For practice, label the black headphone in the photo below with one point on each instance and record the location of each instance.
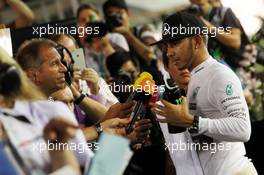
(10, 81)
(69, 74)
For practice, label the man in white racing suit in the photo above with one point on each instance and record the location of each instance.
(215, 111)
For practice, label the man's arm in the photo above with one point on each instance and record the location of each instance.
(231, 38)
(233, 122)
(95, 110)
(61, 130)
(24, 15)
(141, 48)
(114, 126)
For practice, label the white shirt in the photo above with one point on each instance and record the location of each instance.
(104, 96)
(27, 138)
(185, 161)
(216, 96)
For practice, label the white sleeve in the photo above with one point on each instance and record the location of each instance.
(83, 152)
(233, 122)
(78, 144)
(104, 96)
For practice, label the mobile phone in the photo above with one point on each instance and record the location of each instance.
(5, 41)
(78, 57)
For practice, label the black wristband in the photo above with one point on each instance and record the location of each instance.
(79, 99)
(99, 129)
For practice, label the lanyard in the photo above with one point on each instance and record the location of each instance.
(18, 117)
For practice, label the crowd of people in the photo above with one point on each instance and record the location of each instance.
(61, 89)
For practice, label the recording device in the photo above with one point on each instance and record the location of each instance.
(78, 57)
(124, 81)
(113, 20)
(173, 95)
(69, 73)
(100, 29)
(143, 91)
(10, 81)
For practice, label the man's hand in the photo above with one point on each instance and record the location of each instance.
(92, 79)
(77, 74)
(59, 130)
(141, 131)
(116, 131)
(115, 123)
(115, 126)
(75, 90)
(177, 115)
(24, 15)
(119, 110)
(122, 30)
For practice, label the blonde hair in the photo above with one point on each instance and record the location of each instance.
(28, 90)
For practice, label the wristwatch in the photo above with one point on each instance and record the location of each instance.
(79, 99)
(195, 126)
(98, 128)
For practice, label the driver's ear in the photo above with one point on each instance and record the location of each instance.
(33, 75)
(198, 41)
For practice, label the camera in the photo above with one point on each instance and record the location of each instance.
(113, 20)
(123, 81)
(195, 10)
(100, 29)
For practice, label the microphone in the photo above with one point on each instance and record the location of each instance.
(173, 95)
(144, 88)
(146, 92)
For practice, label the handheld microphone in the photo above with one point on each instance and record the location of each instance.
(173, 95)
(144, 88)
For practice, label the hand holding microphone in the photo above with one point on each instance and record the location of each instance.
(144, 88)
